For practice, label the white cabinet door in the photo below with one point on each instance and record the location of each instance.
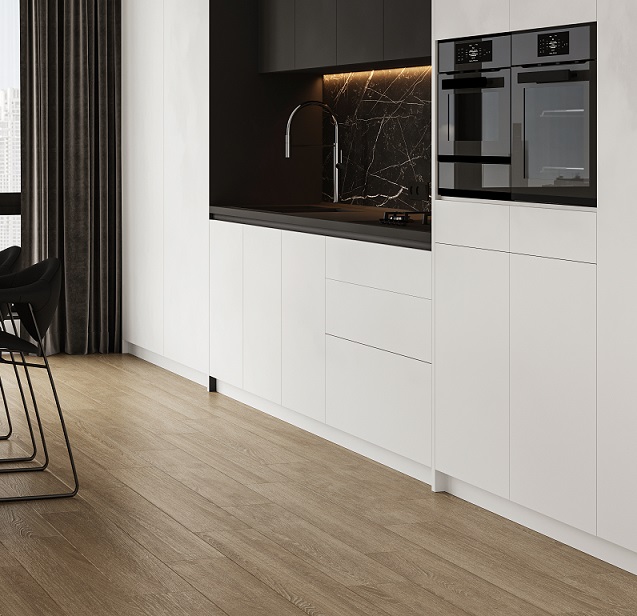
(143, 167)
(303, 342)
(262, 312)
(471, 356)
(380, 397)
(391, 268)
(617, 291)
(186, 180)
(226, 302)
(373, 317)
(457, 18)
(553, 388)
(526, 15)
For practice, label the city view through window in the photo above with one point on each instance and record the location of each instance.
(10, 169)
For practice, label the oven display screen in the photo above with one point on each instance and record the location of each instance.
(469, 53)
(554, 44)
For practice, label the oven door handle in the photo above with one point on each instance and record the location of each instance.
(472, 83)
(557, 76)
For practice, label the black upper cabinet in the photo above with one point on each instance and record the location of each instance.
(407, 29)
(276, 27)
(315, 33)
(359, 32)
(325, 35)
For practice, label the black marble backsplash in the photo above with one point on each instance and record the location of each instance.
(385, 134)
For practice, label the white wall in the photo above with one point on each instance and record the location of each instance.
(165, 126)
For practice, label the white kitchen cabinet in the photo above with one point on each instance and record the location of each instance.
(548, 13)
(303, 323)
(382, 319)
(380, 397)
(458, 18)
(617, 291)
(262, 312)
(553, 388)
(471, 336)
(226, 302)
(186, 168)
(471, 223)
(143, 169)
(552, 232)
(391, 268)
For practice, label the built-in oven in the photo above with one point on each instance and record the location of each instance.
(553, 137)
(474, 117)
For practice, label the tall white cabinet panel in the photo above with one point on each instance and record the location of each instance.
(549, 13)
(364, 400)
(617, 291)
(303, 306)
(553, 388)
(186, 180)
(262, 312)
(471, 346)
(142, 170)
(226, 302)
(457, 18)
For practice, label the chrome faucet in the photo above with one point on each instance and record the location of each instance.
(337, 153)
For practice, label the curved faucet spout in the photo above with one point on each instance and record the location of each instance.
(336, 149)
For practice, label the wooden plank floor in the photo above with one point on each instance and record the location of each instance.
(193, 504)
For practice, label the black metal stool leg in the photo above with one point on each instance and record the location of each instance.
(4, 437)
(73, 491)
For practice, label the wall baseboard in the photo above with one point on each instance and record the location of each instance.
(573, 537)
(201, 378)
(353, 443)
(577, 539)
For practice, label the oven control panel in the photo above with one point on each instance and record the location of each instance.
(553, 44)
(477, 51)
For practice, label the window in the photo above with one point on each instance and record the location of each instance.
(10, 164)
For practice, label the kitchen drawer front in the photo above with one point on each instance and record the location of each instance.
(383, 319)
(380, 397)
(391, 268)
(561, 234)
(472, 224)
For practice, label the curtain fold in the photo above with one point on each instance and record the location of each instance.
(71, 163)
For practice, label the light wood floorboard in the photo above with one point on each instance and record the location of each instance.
(194, 504)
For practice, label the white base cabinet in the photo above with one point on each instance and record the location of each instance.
(553, 391)
(226, 302)
(303, 324)
(270, 334)
(471, 299)
(262, 312)
(380, 397)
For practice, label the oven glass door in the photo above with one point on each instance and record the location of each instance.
(474, 114)
(553, 151)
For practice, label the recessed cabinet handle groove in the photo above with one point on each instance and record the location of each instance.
(553, 76)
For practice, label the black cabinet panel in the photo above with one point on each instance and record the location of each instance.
(276, 35)
(407, 29)
(359, 31)
(315, 33)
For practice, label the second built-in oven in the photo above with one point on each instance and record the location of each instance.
(474, 117)
(553, 111)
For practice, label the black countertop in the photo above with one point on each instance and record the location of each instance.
(333, 219)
